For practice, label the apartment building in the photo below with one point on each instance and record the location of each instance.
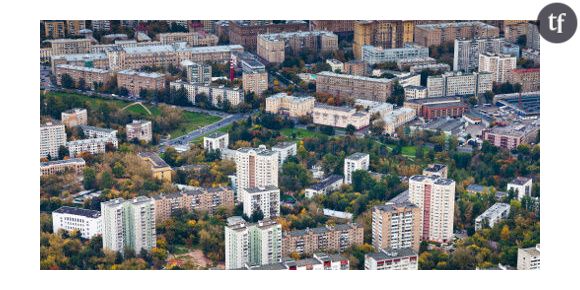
(441, 33)
(499, 65)
(381, 33)
(292, 106)
(356, 68)
(390, 259)
(415, 92)
(396, 226)
(128, 224)
(319, 261)
(273, 47)
(466, 51)
(335, 65)
(87, 222)
(354, 162)
(216, 140)
(435, 197)
(339, 117)
(255, 81)
(54, 29)
(491, 216)
(436, 170)
(373, 54)
(192, 199)
(256, 167)
(529, 258)
(94, 145)
(327, 238)
(141, 130)
(98, 132)
(511, 136)
(52, 136)
(436, 67)
(216, 94)
(135, 81)
(373, 89)
(265, 199)
(91, 76)
(398, 118)
(252, 244)
(70, 46)
(74, 27)
(58, 166)
(372, 107)
(197, 73)
(74, 117)
(529, 79)
(522, 186)
(285, 150)
(533, 36)
(245, 32)
(194, 38)
(513, 29)
(161, 170)
(327, 185)
(339, 27)
(101, 25)
(459, 84)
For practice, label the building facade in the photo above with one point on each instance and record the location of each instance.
(354, 162)
(492, 215)
(160, 169)
(529, 79)
(255, 81)
(466, 52)
(192, 199)
(252, 244)
(396, 226)
(285, 150)
(328, 238)
(53, 167)
(191, 38)
(135, 81)
(216, 141)
(499, 65)
(74, 117)
(529, 258)
(459, 84)
(292, 106)
(141, 130)
(265, 199)
(52, 136)
(216, 94)
(91, 145)
(256, 167)
(245, 32)
(197, 73)
(273, 47)
(87, 222)
(339, 117)
(390, 259)
(440, 33)
(351, 86)
(373, 55)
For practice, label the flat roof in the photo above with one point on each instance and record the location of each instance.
(357, 156)
(354, 77)
(141, 74)
(386, 254)
(78, 211)
(67, 161)
(326, 182)
(156, 161)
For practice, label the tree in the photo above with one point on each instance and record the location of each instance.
(257, 215)
(62, 152)
(106, 180)
(123, 91)
(89, 178)
(350, 129)
(488, 96)
(118, 170)
(66, 81)
(398, 95)
(294, 176)
(82, 84)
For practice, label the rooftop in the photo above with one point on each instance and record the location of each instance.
(286, 35)
(326, 182)
(357, 156)
(261, 189)
(216, 134)
(494, 210)
(353, 77)
(82, 68)
(67, 161)
(520, 180)
(141, 74)
(155, 160)
(392, 206)
(284, 145)
(385, 254)
(78, 211)
(455, 24)
(98, 129)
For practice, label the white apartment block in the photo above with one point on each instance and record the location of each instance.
(91, 145)
(335, 65)
(51, 138)
(292, 106)
(529, 258)
(97, 132)
(285, 150)
(216, 140)
(266, 199)
(256, 167)
(374, 54)
(129, 224)
(398, 118)
(140, 129)
(74, 117)
(389, 259)
(466, 51)
(87, 222)
(354, 162)
(249, 244)
(415, 92)
(492, 215)
(436, 198)
(459, 84)
(499, 65)
(339, 117)
(522, 186)
(216, 94)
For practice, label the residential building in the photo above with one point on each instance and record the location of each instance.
(136, 82)
(522, 186)
(372, 107)
(396, 226)
(54, 29)
(129, 224)
(436, 67)
(440, 33)
(292, 106)
(319, 261)
(94, 145)
(390, 259)
(52, 136)
(255, 81)
(436, 170)
(285, 150)
(87, 222)
(499, 65)
(161, 170)
(398, 118)
(459, 84)
(339, 117)
(90, 76)
(491, 216)
(373, 54)
(252, 244)
(435, 197)
(274, 46)
(511, 136)
(373, 89)
(335, 65)
(381, 33)
(73, 27)
(354, 162)
(265, 199)
(197, 73)
(191, 38)
(415, 92)
(356, 68)
(245, 32)
(466, 51)
(141, 130)
(98, 132)
(74, 117)
(216, 141)
(216, 94)
(192, 199)
(326, 186)
(531, 54)
(340, 27)
(529, 258)
(529, 79)
(327, 238)
(70, 46)
(405, 63)
(101, 25)
(256, 167)
(513, 29)
(58, 166)
(533, 36)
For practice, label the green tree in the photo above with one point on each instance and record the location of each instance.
(350, 129)
(89, 178)
(62, 152)
(66, 81)
(118, 170)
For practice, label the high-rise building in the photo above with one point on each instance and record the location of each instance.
(396, 226)
(435, 197)
(141, 130)
(252, 244)
(441, 33)
(265, 199)
(74, 117)
(101, 25)
(499, 65)
(351, 86)
(256, 167)
(255, 81)
(529, 258)
(197, 73)
(129, 224)
(87, 222)
(245, 32)
(73, 27)
(52, 136)
(354, 162)
(381, 33)
(54, 29)
(528, 78)
(339, 27)
(466, 52)
(273, 47)
(513, 29)
(533, 36)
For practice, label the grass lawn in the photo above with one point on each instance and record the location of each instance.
(409, 151)
(194, 121)
(300, 133)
